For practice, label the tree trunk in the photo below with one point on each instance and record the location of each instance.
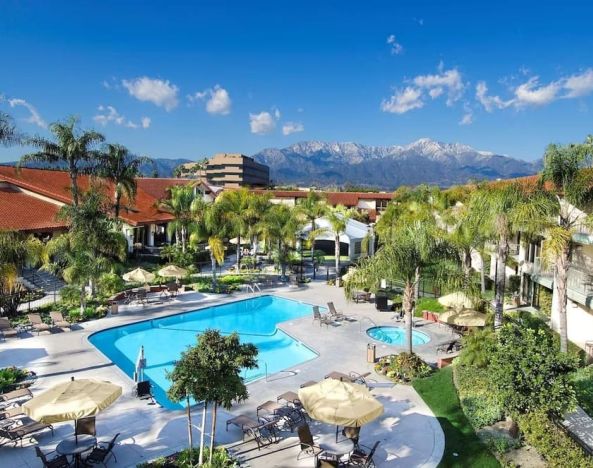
(183, 238)
(213, 263)
(416, 290)
(467, 268)
(189, 432)
(74, 185)
(408, 304)
(501, 262)
(560, 283)
(482, 275)
(202, 430)
(337, 254)
(238, 253)
(213, 430)
(254, 245)
(117, 203)
(313, 228)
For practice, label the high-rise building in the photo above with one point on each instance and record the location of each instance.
(232, 170)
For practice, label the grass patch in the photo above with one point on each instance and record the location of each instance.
(428, 303)
(583, 385)
(438, 391)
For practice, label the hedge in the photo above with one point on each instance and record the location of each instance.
(477, 397)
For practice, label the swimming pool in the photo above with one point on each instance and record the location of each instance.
(164, 339)
(396, 336)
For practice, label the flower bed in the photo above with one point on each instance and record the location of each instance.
(403, 367)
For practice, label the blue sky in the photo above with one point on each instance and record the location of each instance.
(188, 79)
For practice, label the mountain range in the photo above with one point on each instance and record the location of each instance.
(387, 167)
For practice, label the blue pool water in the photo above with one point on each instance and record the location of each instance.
(165, 338)
(396, 336)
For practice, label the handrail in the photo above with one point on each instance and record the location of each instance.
(368, 319)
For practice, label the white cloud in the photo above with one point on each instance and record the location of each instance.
(109, 114)
(580, 84)
(218, 100)
(490, 102)
(35, 118)
(276, 113)
(468, 115)
(262, 123)
(160, 92)
(395, 47)
(531, 93)
(449, 80)
(403, 101)
(292, 127)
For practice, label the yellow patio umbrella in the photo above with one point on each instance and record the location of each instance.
(172, 270)
(341, 403)
(72, 400)
(235, 241)
(464, 318)
(139, 275)
(457, 300)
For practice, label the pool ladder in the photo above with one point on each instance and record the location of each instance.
(253, 287)
(365, 319)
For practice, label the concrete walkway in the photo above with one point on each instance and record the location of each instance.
(410, 435)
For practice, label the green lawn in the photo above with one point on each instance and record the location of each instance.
(438, 391)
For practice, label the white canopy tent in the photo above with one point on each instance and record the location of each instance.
(353, 236)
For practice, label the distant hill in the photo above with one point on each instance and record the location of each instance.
(164, 166)
(423, 161)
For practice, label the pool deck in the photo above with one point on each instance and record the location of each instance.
(410, 435)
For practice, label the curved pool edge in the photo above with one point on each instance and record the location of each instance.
(422, 335)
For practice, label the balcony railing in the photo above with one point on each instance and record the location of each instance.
(579, 282)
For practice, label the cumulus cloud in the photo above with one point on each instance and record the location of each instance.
(292, 127)
(262, 123)
(109, 114)
(468, 116)
(34, 117)
(395, 47)
(533, 93)
(160, 92)
(218, 100)
(403, 101)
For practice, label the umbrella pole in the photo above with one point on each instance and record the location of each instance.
(337, 428)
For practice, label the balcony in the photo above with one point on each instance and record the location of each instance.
(580, 282)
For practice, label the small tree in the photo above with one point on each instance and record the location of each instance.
(338, 218)
(529, 373)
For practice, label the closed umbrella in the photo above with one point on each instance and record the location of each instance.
(172, 271)
(341, 403)
(457, 300)
(139, 275)
(464, 318)
(72, 400)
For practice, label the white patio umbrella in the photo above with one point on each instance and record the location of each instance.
(457, 300)
(244, 241)
(139, 275)
(172, 271)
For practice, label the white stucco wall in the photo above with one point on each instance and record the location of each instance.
(580, 321)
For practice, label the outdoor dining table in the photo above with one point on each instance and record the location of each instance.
(76, 446)
(333, 448)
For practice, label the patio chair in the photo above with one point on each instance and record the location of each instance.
(323, 319)
(365, 460)
(60, 461)
(269, 407)
(20, 394)
(26, 430)
(264, 434)
(289, 417)
(308, 446)
(102, 452)
(173, 289)
(334, 314)
(85, 426)
(6, 329)
(58, 320)
(141, 296)
(358, 378)
(38, 324)
(143, 391)
(290, 397)
(243, 422)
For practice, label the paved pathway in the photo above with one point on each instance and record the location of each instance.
(410, 435)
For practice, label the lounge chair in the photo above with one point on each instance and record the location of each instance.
(6, 329)
(308, 383)
(290, 397)
(25, 430)
(7, 414)
(85, 426)
(58, 320)
(102, 451)
(264, 434)
(38, 324)
(243, 422)
(334, 313)
(143, 391)
(290, 417)
(61, 461)
(363, 296)
(20, 394)
(338, 376)
(361, 379)
(308, 446)
(365, 460)
(269, 407)
(323, 319)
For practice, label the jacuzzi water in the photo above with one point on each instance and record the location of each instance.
(164, 339)
(396, 336)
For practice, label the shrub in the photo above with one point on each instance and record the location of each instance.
(70, 295)
(10, 376)
(403, 367)
(428, 303)
(551, 441)
(477, 397)
(110, 283)
(74, 315)
(220, 459)
(583, 385)
(500, 444)
(545, 301)
(477, 348)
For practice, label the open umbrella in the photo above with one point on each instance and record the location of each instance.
(72, 400)
(341, 403)
(172, 270)
(234, 240)
(139, 275)
(464, 318)
(457, 300)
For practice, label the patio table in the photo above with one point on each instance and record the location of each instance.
(336, 449)
(76, 446)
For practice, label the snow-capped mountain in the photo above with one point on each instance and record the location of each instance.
(423, 161)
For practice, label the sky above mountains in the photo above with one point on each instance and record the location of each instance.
(187, 79)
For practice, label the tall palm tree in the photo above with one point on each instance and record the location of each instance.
(563, 167)
(9, 134)
(338, 218)
(120, 167)
(72, 147)
(313, 207)
(259, 204)
(234, 204)
(179, 204)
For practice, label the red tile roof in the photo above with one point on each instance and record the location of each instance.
(22, 212)
(333, 198)
(56, 185)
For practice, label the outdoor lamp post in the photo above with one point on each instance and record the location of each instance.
(301, 240)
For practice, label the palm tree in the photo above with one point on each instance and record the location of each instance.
(71, 147)
(312, 208)
(180, 206)
(258, 206)
(563, 167)
(117, 165)
(234, 204)
(338, 218)
(9, 134)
